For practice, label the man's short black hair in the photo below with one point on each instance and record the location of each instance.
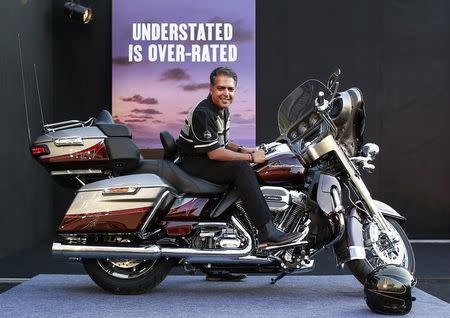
(222, 71)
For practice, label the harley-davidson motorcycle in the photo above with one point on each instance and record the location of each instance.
(132, 219)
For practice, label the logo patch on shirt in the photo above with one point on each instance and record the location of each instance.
(207, 134)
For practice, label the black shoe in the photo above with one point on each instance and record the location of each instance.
(269, 235)
(224, 277)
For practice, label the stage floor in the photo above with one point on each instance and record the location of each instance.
(192, 296)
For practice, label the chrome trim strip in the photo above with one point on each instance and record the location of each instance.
(212, 224)
(277, 247)
(144, 180)
(356, 252)
(245, 260)
(152, 213)
(71, 172)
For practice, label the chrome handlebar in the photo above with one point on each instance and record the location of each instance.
(369, 151)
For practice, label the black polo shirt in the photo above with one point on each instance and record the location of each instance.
(206, 128)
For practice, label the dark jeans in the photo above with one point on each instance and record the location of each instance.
(237, 173)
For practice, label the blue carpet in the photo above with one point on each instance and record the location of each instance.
(192, 296)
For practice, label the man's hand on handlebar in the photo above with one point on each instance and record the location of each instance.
(259, 156)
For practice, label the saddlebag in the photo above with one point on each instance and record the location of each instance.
(117, 205)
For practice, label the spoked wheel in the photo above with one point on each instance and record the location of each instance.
(381, 250)
(127, 276)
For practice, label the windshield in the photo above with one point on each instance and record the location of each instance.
(299, 103)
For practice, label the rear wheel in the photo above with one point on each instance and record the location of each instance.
(127, 276)
(381, 250)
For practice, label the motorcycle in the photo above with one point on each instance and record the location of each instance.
(132, 219)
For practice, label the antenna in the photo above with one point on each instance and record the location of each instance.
(24, 92)
(39, 95)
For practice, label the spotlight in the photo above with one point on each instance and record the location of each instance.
(77, 12)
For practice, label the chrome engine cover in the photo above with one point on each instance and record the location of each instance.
(217, 235)
(277, 198)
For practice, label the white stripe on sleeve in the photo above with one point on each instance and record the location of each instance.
(207, 145)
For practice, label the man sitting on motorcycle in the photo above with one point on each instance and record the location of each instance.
(207, 153)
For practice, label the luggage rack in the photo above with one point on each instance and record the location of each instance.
(68, 124)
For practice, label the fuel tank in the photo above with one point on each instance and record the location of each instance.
(281, 169)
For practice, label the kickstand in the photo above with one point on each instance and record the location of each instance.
(280, 276)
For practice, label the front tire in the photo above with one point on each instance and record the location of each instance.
(375, 257)
(127, 277)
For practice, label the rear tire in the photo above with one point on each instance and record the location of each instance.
(360, 268)
(128, 277)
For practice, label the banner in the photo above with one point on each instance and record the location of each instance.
(163, 53)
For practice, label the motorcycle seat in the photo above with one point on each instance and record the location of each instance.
(178, 178)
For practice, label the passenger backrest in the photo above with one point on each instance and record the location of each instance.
(169, 145)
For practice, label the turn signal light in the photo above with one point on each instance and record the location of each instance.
(41, 150)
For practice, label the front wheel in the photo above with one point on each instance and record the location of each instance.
(381, 250)
(127, 276)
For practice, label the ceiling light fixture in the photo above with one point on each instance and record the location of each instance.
(77, 12)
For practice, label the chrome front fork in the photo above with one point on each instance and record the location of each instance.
(327, 145)
(362, 190)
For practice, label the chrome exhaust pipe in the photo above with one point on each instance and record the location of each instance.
(247, 260)
(151, 251)
(89, 251)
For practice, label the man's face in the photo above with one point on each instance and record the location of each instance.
(222, 91)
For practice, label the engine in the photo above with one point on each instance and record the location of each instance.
(217, 235)
(290, 213)
(288, 207)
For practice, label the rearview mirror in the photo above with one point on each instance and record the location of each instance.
(333, 78)
(370, 150)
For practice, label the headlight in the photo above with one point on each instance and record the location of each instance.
(342, 106)
(335, 108)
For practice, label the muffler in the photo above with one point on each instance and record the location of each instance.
(90, 251)
(151, 251)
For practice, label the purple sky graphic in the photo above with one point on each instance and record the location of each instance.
(153, 96)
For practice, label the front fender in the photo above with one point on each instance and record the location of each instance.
(386, 210)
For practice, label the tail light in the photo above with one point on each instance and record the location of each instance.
(37, 151)
(95, 153)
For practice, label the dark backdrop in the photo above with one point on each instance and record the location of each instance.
(26, 216)
(396, 52)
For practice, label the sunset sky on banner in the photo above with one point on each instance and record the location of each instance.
(153, 96)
